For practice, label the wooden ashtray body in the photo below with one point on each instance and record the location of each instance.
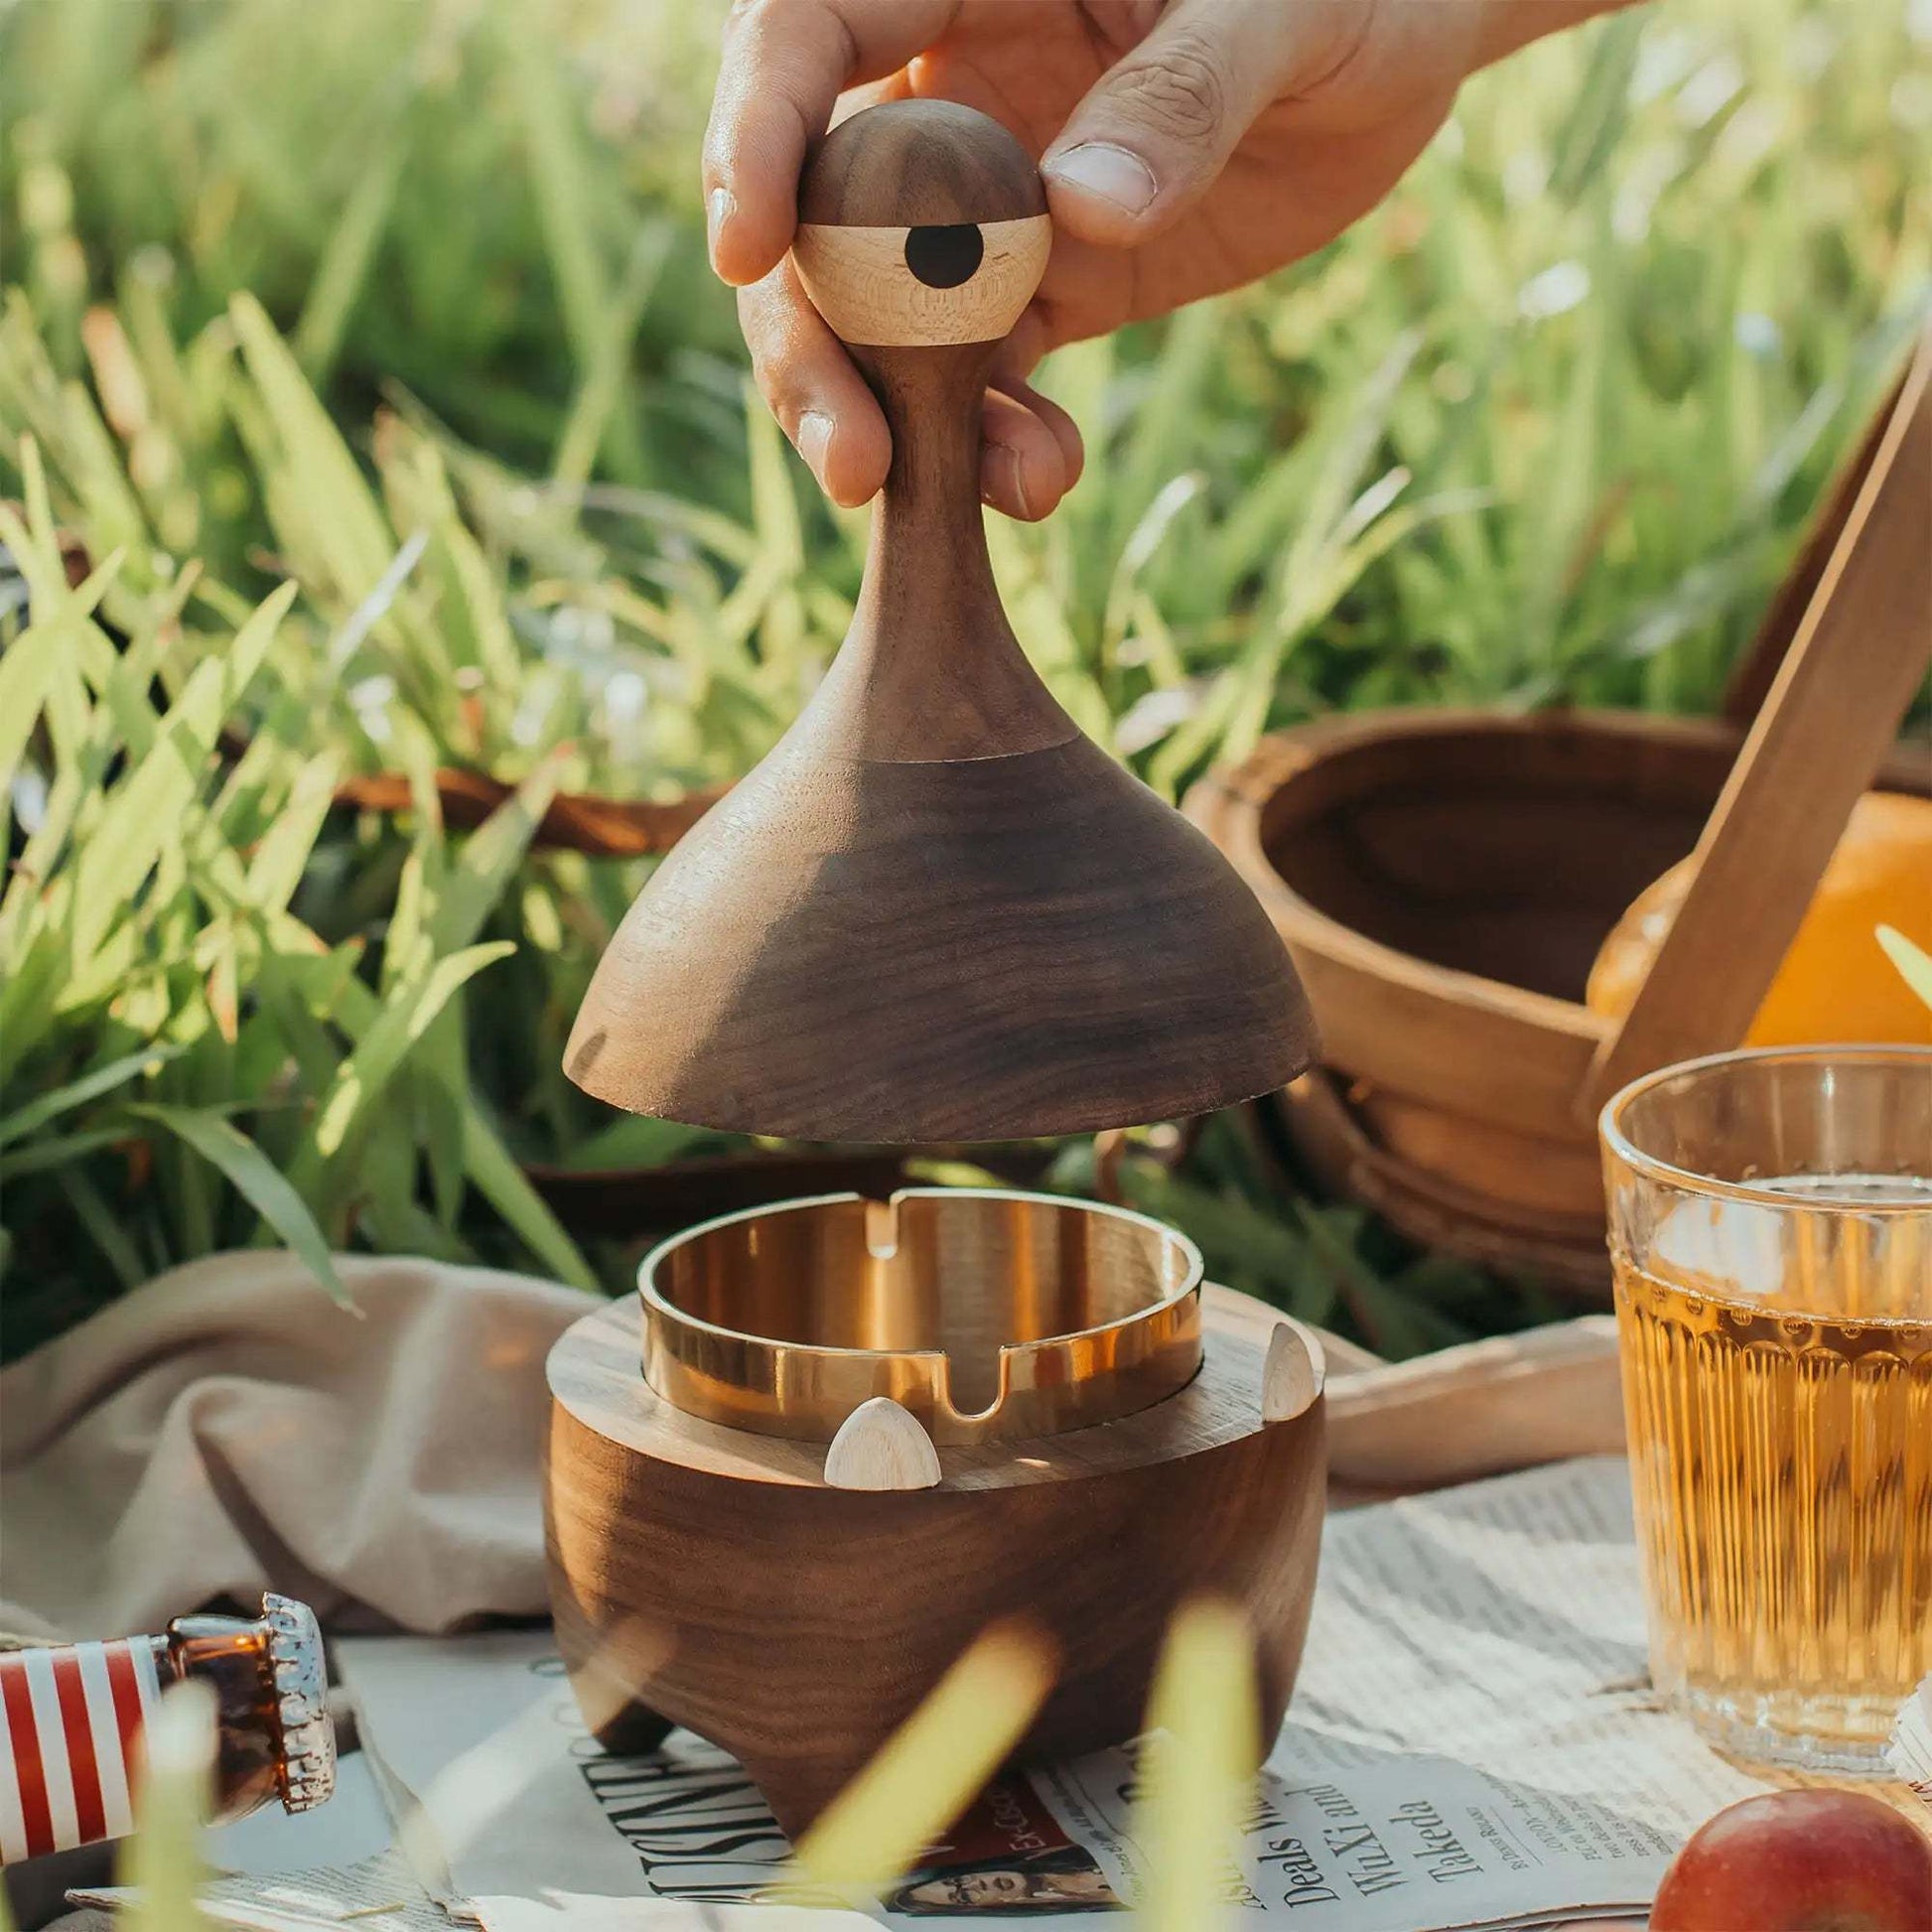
(709, 1577)
(1444, 880)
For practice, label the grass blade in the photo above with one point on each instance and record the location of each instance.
(339, 519)
(490, 858)
(58, 1150)
(103, 1079)
(146, 809)
(346, 261)
(107, 1230)
(163, 1861)
(601, 391)
(502, 1182)
(256, 1178)
(361, 1078)
(276, 866)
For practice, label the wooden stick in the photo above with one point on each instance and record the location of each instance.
(1509, 1402)
(1825, 729)
(604, 828)
(1757, 669)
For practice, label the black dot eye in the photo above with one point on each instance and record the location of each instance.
(943, 256)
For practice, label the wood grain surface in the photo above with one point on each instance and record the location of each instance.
(712, 1578)
(936, 911)
(881, 1447)
(961, 949)
(918, 164)
(864, 281)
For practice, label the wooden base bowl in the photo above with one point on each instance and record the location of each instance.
(712, 1578)
(1444, 880)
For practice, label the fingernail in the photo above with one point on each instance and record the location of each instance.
(1112, 174)
(1003, 482)
(719, 210)
(815, 441)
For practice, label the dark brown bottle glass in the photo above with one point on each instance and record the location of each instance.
(71, 1717)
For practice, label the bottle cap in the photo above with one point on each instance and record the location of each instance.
(306, 1772)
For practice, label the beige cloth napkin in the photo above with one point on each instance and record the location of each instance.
(227, 1429)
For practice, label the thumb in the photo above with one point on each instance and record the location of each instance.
(1155, 130)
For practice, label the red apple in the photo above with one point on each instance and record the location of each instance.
(1800, 1862)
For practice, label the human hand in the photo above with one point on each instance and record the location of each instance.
(1187, 146)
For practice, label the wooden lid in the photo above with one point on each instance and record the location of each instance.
(908, 162)
(936, 911)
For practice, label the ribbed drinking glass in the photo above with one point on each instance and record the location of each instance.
(1770, 1222)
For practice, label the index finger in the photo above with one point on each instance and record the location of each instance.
(786, 63)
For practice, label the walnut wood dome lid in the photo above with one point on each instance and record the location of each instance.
(970, 949)
(935, 911)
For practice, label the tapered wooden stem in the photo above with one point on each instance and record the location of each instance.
(930, 503)
(930, 668)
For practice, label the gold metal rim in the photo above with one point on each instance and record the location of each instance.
(990, 1313)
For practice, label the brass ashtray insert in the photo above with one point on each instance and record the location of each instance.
(988, 1315)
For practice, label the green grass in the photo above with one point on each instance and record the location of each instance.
(404, 303)
(186, 1062)
(1543, 426)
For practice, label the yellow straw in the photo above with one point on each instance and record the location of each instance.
(1198, 1764)
(163, 1860)
(930, 1769)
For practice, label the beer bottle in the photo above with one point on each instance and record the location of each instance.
(70, 1719)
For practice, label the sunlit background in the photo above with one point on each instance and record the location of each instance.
(1543, 428)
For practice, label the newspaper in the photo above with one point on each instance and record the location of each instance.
(1472, 1744)
(1911, 1743)
(378, 1894)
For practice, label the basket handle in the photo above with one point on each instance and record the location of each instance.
(1828, 720)
(1757, 667)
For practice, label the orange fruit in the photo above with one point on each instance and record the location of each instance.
(1836, 982)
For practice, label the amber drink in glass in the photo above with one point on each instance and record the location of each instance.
(1770, 1220)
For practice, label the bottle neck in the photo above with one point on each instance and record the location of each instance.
(231, 1658)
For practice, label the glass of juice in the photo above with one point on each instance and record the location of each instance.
(1771, 1218)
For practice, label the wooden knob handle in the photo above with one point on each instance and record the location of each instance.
(923, 234)
(921, 223)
